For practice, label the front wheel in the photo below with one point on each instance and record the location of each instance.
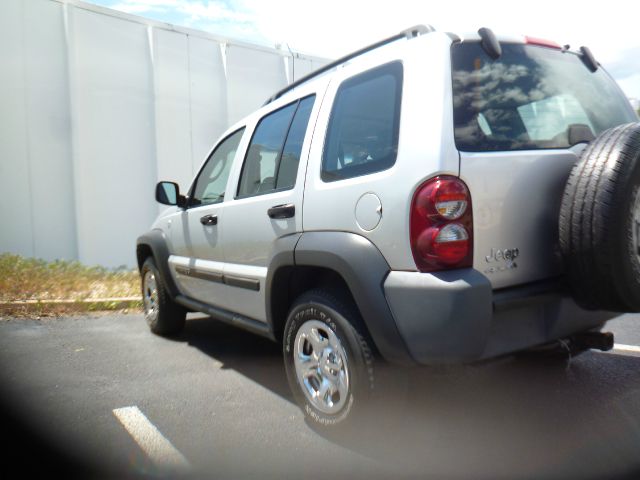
(163, 315)
(328, 360)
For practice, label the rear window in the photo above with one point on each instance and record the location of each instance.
(530, 98)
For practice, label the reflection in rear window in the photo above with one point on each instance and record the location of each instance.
(530, 98)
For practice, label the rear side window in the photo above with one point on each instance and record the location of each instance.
(362, 136)
(271, 162)
(530, 98)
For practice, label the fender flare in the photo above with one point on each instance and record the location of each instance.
(156, 241)
(362, 267)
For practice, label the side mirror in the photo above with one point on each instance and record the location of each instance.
(168, 193)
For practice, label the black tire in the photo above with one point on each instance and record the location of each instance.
(343, 319)
(167, 318)
(600, 222)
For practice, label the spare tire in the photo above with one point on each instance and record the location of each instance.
(600, 222)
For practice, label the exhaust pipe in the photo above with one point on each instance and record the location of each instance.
(593, 340)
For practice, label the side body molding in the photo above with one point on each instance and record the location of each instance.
(364, 269)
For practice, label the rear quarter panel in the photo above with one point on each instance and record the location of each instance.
(426, 148)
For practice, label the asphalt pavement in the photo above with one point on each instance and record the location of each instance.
(102, 396)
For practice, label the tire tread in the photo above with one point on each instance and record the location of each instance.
(596, 188)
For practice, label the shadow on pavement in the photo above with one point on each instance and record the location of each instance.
(516, 417)
(253, 356)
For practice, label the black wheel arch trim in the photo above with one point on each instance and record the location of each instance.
(156, 241)
(280, 266)
(362, 267)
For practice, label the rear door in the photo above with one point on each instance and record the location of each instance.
(521, 122)
(266, 204)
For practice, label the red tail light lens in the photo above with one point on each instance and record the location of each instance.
(441, 227)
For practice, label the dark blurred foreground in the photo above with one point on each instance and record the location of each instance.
(220, 396)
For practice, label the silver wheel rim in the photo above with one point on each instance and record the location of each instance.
(150, 296)
(321, 366)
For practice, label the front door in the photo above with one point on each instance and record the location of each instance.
(198, 268)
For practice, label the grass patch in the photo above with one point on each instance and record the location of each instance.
(29, 279)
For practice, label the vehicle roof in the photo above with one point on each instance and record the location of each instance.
(395, 42)
(292, 91)
(319, 77)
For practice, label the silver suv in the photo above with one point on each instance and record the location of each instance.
(429, 199)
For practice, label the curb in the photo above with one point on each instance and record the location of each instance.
(80, 305)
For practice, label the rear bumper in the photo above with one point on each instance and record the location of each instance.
(456, 317)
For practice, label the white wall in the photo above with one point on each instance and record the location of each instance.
(97, 106)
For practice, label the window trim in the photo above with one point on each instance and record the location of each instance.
(192, 189)
(297, 103)
(396, 69)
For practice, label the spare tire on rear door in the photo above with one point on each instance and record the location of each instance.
(600, 222)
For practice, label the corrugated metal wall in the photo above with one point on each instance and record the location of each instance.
(96, 107)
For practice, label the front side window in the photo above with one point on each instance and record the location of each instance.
(362, 136)
(212, 180)
(272, 159)
(530, 98)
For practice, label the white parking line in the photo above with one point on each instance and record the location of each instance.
(626, 348)
(153, 443)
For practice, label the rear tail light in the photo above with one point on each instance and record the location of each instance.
(450, 199)
(441, 227)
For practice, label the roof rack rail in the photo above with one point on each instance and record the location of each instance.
(408, 33)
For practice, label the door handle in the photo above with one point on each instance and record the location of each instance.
(286, 210)
(209, 220)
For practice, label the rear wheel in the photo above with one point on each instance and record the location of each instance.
(163, 315)
(328, 360)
